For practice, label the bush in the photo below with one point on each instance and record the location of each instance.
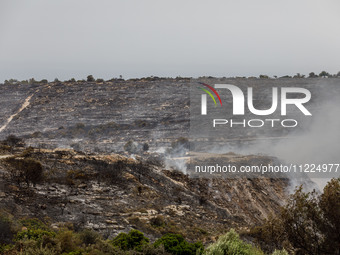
(157, 221)
(90, 78)
(26, 170)
(176, 244)
(39, 251)
(33, 223)
(134, 240)
(230, 244)
(308, 224)
(312, 75)
(6, 230)
(88, 236)
(280, 252)
(324, 74)
(33, 234)
(149, 249)
(67, 241)
(263, 76)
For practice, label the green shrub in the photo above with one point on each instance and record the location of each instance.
(231, 244)
(150, 249)
(176, 244)
(134, 240)
(88, 236)
(68, 241)
(6, 230)
(280, 252)
(324, 74)
(90, 78)
(33, 234)
(38, 251)
(33, 223)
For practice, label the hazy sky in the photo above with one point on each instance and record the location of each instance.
(136, 38)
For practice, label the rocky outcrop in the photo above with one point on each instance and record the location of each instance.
(154, 200)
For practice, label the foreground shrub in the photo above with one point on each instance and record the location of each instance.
(308, 224)
(280, 252)
(176, 244)
(134, 240)
(33, 234)
(33, 223)
(6, 230)
(68, 241)
(39, 251)
(231, 244)
(88, 236)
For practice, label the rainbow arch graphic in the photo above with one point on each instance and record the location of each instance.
(209, 93)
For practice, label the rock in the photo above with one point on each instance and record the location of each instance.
(111, 222)
(152, 212)
(82, 186)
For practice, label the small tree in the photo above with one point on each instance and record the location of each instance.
(263, 76)
(134, 240)
(312, 75)
(309, 222)
(31, 81)
(90, 78)
(324, 74)
(298, 75)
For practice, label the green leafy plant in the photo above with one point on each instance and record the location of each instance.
(176, 244)
(134, 240)
(231, 244)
